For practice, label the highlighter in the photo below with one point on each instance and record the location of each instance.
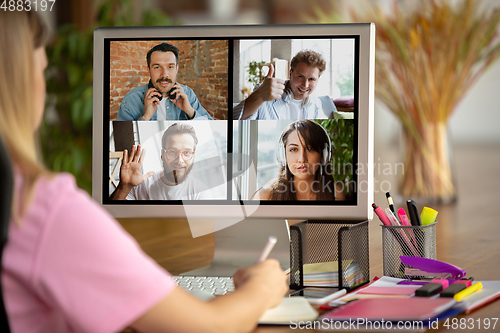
(429, 289)
(403, 218)
(465, 281)
(452, 290)
(444, 282)
(381, 215)
(466, 292)
(428, 216)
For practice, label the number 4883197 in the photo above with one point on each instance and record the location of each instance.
(27, 5)
(470, 323)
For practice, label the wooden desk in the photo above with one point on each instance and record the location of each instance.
(468, 231)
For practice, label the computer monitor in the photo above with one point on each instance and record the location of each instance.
(234, 160)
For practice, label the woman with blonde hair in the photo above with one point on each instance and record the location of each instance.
(69, 266)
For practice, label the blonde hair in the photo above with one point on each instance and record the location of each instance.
(20, 34)
(310, 58)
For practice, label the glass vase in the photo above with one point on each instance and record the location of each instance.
(428, 167)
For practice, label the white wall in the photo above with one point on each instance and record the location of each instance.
(476, 120)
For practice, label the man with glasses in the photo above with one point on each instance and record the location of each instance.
(172, 183)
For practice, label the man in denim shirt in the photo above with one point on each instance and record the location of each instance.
(163, 98)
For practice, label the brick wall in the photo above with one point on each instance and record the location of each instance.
(203, 66)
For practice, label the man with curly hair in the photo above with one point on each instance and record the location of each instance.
(276, 98)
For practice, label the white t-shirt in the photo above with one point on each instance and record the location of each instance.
(154, 189)
(294, 109)
(161, 110)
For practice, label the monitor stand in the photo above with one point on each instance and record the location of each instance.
(240, 244)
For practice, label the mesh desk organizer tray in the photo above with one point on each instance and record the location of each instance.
(317, 247)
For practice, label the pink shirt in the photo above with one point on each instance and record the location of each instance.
(70, 267)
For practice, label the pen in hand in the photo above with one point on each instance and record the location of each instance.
(267, 249)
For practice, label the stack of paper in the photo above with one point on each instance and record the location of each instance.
(291, 308)
(326, 274)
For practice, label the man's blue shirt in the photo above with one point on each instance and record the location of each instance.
(132, 106)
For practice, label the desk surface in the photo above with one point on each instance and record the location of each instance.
(467, 232)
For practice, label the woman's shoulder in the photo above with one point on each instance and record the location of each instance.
(56, 193)
(59, 184)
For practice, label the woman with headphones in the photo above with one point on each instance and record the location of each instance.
(304, 153)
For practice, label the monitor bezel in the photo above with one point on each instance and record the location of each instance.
(361, 211)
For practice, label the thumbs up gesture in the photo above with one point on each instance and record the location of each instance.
(271, 88)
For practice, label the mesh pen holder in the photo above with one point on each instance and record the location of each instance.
(415, 241)
(344, 242)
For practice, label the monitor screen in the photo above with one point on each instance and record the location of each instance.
(234, 122)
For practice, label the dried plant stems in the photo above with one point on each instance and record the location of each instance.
(425, 63)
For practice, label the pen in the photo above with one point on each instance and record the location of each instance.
(392, 217)
(385, 220)
(416, 222)
(391, 203)
(328, 298)
(467, 291)
(395, 222)
(404, 221)
(267, 249)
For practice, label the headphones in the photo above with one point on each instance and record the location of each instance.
(326, 154)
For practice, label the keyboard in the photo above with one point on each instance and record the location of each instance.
(211, 284)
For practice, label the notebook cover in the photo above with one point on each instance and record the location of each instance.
(373, 290)
(392, 309)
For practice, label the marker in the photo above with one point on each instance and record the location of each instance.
(404, 221)
(267, 249)
(452, 290)
(395, 222)
(413, 211)
(415, 221)
(381, 215)
(465, 281)
(403, 218)
(429, 289)
(385, 220)
(428, 216)
(466, 292)
(391, 203)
